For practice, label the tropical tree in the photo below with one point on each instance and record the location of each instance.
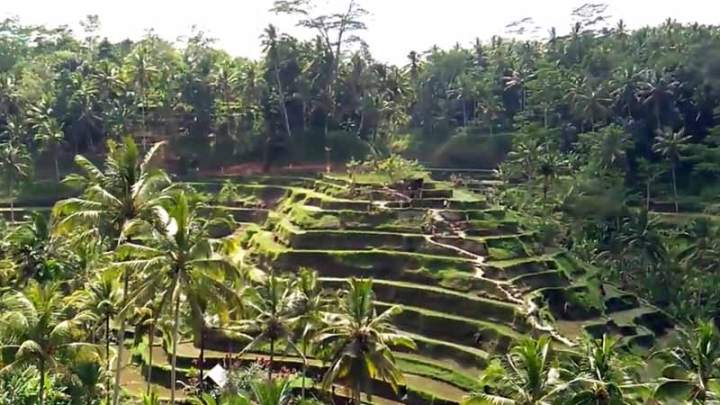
(274, 317)
(312, 307)
(100, 299)
(591, 105)
(36, 328)
(50, 136)
(361, 341)
(692, 372)
(670, 144)
(176, 259)
(271, 48)
(601, 375)
(525, 378)
(15, 167)
(117, 200)
(658, 92)
(550, 166)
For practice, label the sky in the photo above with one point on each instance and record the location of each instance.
(395, 27)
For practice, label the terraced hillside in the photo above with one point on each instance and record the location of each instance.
(471, 277)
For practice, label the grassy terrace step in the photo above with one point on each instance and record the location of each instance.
(455, 329)
(267, 193)
(239, 214)
(465, 358)
(542, 279)
(465, 379)
(510, 269)
(441, 203)
(425, 377)
(649, 317)
(362, 240)
(311, 217)
(443, 300)
(492, 227)
(452, 273)
(261, 180)
(370, 262)
(503, 247)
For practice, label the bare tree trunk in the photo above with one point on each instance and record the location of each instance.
(57, 167)
(107, 358)
(41, 388)
(283, 107)
(675, 194)
(173, 370)
(201, 364)
(272, 358)
(12, 201)
(121, 338)
(647, 196)
(151, 341)
(305, 368)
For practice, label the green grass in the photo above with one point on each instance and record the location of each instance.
(413, 364)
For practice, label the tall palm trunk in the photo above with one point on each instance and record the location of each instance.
(305, 367)
(272, 358)
(647, 195)
(283, 107)
(121, 338)
(12, 201)
(151, 341)
(674, 184)
(57, 166)
(41, 388)
(107, 358)
(201, 364)
(176, 325)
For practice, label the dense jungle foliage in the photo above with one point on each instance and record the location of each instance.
(606, 140)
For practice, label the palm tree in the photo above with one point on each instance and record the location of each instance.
(591, 104)
(32, 246)
(177, 259)
(36, 328)
(312, 307)
(225, 79)
(101, 300)
(550, 165)
(141, 72)
(516, 82)
(624, 84)
(87, 375)
(602, 377)
(274, 318)
(116, 201)
(641, 238)
(610, 146)
(670, 144)
(692, 369)
(50, 135)
(85, 99)
(527, 378)
(658, 92)
(361, 340)
(15, 167)
(270, 46)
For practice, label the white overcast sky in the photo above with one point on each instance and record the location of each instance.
(395, 26)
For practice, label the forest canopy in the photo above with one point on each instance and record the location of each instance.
(499, 190)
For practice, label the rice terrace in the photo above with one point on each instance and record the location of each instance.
(515, 220)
